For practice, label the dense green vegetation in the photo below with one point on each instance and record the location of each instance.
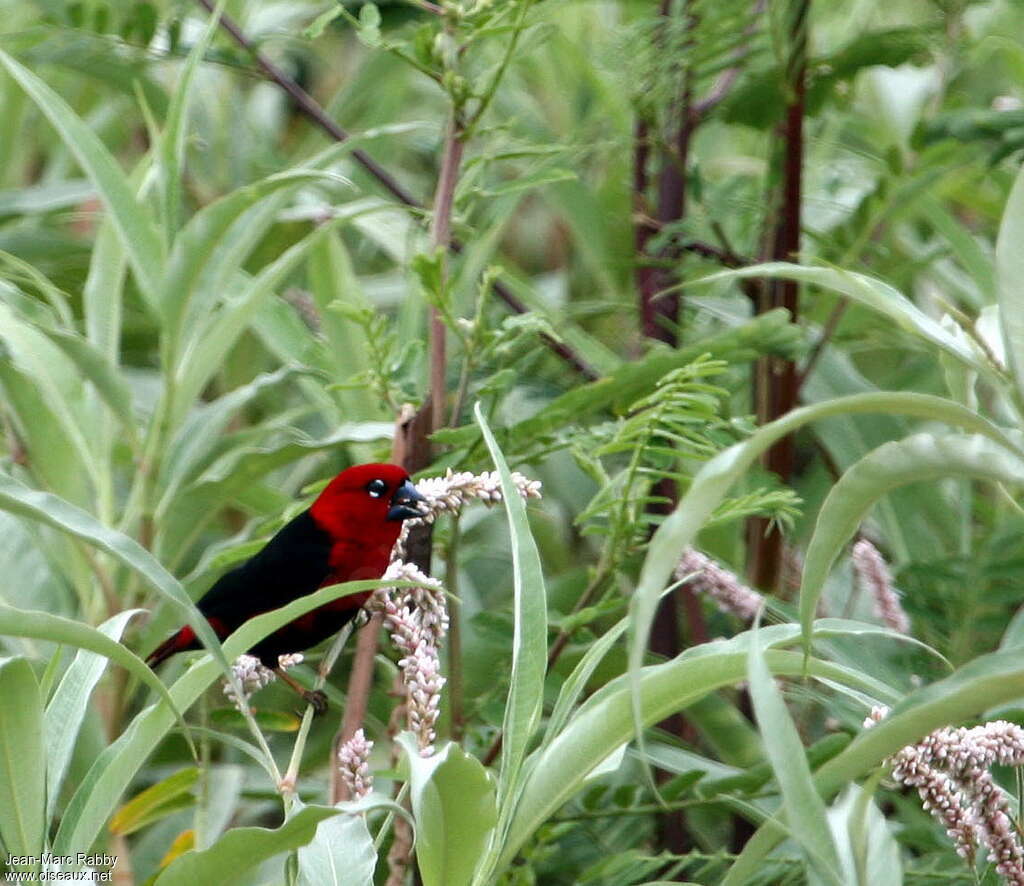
(740, 277)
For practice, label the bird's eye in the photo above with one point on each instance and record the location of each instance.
(376, 488)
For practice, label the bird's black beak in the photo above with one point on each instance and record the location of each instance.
(403, 502)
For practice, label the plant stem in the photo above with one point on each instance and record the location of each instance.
(777, 384)
(455, 681)
(309, 108)
(292, 773)
(440, 238)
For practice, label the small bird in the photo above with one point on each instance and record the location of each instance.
(346, 535)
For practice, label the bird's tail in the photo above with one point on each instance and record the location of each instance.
(179, 642)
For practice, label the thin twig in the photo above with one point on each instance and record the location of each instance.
(309, 108)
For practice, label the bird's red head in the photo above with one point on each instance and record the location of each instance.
(367, 502)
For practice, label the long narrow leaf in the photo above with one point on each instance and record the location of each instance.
(135, 225)
(22, 766)
(920, 457)
(529, 641)
(786, 754)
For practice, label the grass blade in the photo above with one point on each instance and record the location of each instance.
(920, 457)
(22, 765)
(785, 751)
(135, 226)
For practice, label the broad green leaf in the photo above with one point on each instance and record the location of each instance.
(920, 457)
(332, 278)
(54, 511)
(154, 802)
(868, 850)
(605, 721)
(242, 849)
(576, 682)
(211, 247)
(67, 708)
(1010, 281)
(454, 807)
(341, 854)
(56, 629)
(983, 683)
(22, 763)
(530, 636)
(205, 353)
(52, 377)
(713, 481)
(203, 429)
(785, 752)
(102, 292)
(116, 767)
(96, 367)
(134, 224)
(873, 294)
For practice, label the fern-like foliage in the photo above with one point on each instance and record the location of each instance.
(682, 422)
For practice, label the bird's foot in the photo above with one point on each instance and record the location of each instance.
(318, 699)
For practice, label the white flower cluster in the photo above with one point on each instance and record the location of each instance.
(871, 570)
(731, 595)
(951, 770)
(449, 493)
(417, 619)
(254, 675)
(354, 764)
(453, 490)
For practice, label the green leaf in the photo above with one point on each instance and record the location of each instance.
(56, 629)
(30, 353)
(333, 279)
(785, 752)
(135, 226)
(154, 803)
(605, 721)
(172, 143)
(54, 511)
(120, 762)
(981, 684)
(920, 457)
(95, 366)
(67, 708)
(713, 481)
(210, 345)
(242, 849)
(22, 762)
(341, 854)
(102, 292)
(873, 294)
(1010, 281)
(868, 850)
(212, 247)
(454, 807)
(530, 633)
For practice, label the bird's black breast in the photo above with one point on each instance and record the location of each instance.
(295, 562)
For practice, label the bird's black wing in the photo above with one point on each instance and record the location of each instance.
(295, 562)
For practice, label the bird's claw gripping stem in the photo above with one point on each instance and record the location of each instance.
(317, 698)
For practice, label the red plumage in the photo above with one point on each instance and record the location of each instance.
(346, 535)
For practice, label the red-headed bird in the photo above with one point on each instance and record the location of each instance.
(345, 535)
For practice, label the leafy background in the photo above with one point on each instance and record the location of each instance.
(208, 305)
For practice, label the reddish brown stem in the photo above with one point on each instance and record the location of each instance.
(776, 380)
(441, 237)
